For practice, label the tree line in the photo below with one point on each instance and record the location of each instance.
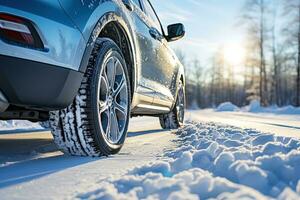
(271, 68)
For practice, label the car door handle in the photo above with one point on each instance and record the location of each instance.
(128, 4)
(155, 34)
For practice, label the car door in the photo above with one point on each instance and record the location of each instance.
(158, 64)
(144, 55)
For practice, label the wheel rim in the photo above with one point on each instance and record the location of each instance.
(113, 100)
(180, 104)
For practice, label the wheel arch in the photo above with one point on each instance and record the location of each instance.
(114, 27)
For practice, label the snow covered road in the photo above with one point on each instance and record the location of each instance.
(203, 160)
(283, 125)
(31, 162)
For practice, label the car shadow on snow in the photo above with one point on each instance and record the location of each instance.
(16, 131)
(23, 160)
(33, 169)
(139, 133)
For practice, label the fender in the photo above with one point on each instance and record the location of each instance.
(95, 15)
(103, 21)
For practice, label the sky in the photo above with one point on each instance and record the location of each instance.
(209, 24)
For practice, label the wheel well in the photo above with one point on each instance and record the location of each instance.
(114, 31)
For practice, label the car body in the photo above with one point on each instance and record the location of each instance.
(45, 48)
(48, 78)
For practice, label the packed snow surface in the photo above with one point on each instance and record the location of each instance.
(213, 161)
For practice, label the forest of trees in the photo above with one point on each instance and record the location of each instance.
(271, 68)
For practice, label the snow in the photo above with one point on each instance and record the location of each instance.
(205, 159)
(255, 107)
(190, 184)
(20, 125)
(227, 106)
(253, 165)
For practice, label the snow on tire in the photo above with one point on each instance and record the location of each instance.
(79, 129)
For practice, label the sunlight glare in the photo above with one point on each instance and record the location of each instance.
(234, 54)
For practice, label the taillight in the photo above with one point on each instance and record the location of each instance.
(19, 31)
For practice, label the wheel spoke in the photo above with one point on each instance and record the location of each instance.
(114, 126)
(104, 78)
(111, 72)
(108, 128)
(121, 109)
(120, 86)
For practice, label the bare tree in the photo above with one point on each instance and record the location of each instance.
(254, 16)
(197, 71)
(292, 11)
(276, 81)
(272, 64)
(251, 75)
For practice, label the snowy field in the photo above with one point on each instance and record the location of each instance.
(217, 155)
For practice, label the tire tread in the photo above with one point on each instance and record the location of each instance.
(73, 126)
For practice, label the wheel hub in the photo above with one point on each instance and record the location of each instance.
(110, 101)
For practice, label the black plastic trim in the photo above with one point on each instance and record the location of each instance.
(38, 86)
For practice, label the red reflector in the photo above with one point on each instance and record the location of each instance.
(18, 37)
(11, 18)
(17, 30)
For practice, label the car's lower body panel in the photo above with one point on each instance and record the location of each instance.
(36, 85)
(143, 103)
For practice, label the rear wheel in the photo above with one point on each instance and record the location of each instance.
(96, 122)
(175, 118)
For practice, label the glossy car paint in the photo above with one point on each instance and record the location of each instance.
(70, 33)
(64, 44)
(156, 66)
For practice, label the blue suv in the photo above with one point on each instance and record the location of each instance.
(86, 67)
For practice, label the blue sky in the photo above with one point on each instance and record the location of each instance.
(209, 24)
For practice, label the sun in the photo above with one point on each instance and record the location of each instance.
(234, 54)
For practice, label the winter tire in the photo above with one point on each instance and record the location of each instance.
(175, 118)
(96, 123)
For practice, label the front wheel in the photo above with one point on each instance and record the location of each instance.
(175, 118)
(96, 122)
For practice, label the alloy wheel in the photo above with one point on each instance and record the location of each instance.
(113, 100)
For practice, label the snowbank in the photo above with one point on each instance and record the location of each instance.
(18, 125)
(255, 107)
(214, 161)
(227, 107)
